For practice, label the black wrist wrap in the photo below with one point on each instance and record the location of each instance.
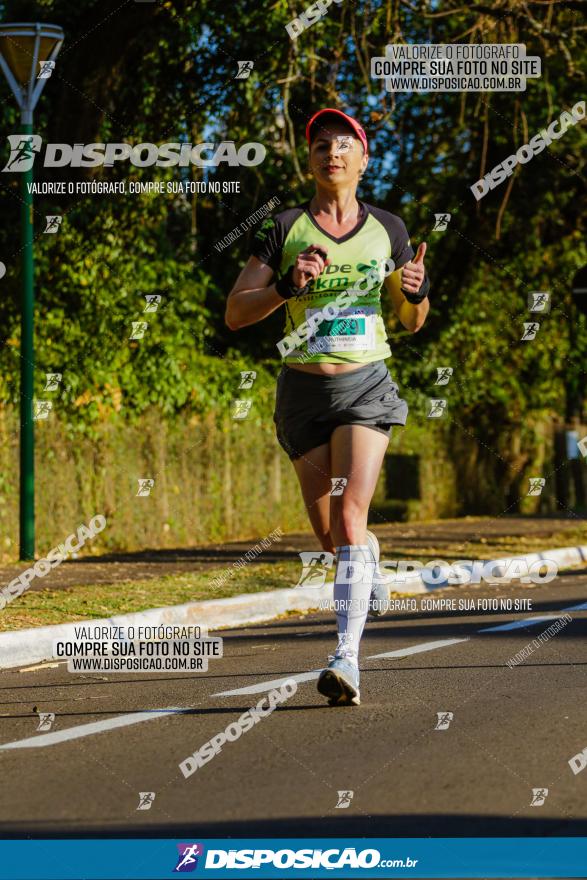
(417, 298)
(286, 288)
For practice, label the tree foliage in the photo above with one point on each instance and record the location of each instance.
(165, 72)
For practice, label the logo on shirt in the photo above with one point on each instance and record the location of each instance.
(366, 267)
(264, 228)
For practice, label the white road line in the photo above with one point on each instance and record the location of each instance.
(417, 649)
(518, 624)
(531, 621)
(58, 736)
(264, 686)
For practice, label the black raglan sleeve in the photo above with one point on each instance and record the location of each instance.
(268, 241)
(401, 248)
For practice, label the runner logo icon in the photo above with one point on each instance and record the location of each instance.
(443, 375)
(188, 856)
(441, 222)
(539, 301)
(539, 795)
(344, 800)
(46, 720)
(315, 568)
(23, 148)
(444, 719)
(146, 799)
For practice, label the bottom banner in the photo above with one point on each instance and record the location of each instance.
(100, 859)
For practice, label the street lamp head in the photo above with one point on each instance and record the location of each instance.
(27, 56)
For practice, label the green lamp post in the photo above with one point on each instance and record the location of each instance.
(27, 55)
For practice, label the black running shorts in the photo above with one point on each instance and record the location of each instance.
(309, 406)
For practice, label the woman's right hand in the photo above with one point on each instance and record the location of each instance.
(309, 265)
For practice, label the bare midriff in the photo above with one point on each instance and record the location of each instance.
(326, 369)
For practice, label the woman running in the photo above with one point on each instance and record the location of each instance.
(336, 402)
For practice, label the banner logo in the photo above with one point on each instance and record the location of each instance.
(23, 148)
(188, 854)
(206, 155)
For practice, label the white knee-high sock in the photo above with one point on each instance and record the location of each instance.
(355, 566)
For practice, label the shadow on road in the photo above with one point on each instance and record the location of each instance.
(419, 825)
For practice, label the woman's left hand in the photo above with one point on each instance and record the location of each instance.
(413, 271)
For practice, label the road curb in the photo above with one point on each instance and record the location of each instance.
(560, 556)
(24, 647)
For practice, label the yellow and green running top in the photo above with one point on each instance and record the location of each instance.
(357, 334)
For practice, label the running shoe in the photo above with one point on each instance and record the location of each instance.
(379, 599)
(340, 680)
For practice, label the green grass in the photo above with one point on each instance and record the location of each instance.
(87, 601)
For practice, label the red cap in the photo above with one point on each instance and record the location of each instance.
(348, 119)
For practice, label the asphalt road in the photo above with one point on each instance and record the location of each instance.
(513, 730)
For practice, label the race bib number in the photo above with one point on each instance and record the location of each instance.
(353, 329)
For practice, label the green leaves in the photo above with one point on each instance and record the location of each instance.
(166, 72)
